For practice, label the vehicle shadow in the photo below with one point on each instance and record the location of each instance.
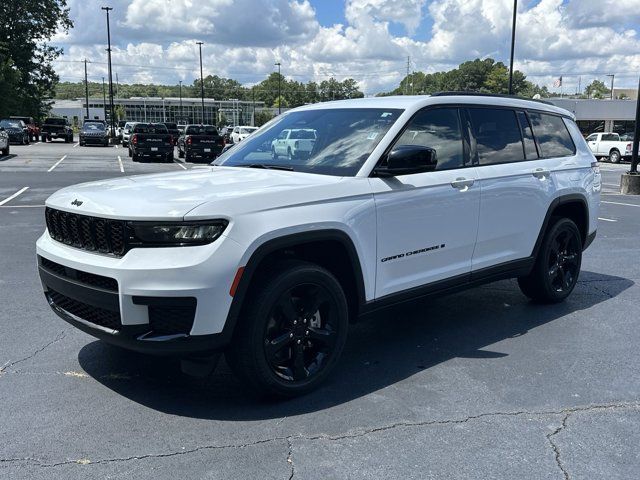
(7, 157)
(386, 348)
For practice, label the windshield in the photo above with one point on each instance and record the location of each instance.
(171, 126)
(150, 128)
(10, 124)
(248, 130)
(55, 121)
(201, 130)
(341, 141)
(93, 126)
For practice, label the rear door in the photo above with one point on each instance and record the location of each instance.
(516, 185)
(427, 222)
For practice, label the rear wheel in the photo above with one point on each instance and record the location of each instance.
(292, 332)
(557, 266)
(180, 153)
(614, 156)
(274, 155)
(134, 157)
(5, 151)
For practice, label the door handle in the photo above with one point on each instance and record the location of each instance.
(462, 183)
(541, 173)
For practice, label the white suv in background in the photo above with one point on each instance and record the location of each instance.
(269, 259)
(240, 133)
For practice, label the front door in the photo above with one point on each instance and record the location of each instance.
(427, 222)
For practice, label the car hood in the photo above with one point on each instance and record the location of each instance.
(166, 196)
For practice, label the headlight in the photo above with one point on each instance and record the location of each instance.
(150, 234)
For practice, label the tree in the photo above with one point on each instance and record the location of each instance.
(262, 117)
(280, 102)
(597, 89)
(119, 112)
(26, 58)
(222, 120)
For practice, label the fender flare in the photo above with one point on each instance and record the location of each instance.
(278, 243)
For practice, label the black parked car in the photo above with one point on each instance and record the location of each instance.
(200, 142)
(17, 131)
(94, 132)
(56, 128)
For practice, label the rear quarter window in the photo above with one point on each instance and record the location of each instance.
(552, 135)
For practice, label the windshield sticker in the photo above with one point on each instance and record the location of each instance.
(372, 136)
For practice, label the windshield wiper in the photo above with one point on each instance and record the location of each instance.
(266, 166)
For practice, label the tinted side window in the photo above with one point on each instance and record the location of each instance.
(530, 150)
(497, 134)
(439, 129)
(609, 137)
(552, 134)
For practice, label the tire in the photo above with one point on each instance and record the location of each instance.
(614, 156)
(170, 158)
(555, 272)
(25, 141)
(180, 154)
(6, 151)
(274, 155)
(129, 153)
(289, 155)
(308, 344)
(134, 157)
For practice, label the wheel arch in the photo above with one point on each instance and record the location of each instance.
(573, 206)
(339, 256)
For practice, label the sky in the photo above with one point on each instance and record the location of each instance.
(154, 41)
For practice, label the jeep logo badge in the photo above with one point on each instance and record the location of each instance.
(76, 202)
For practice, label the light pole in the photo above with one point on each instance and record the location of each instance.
(279, 89)
(513, 45)
(104, 101)
(201, 81)
(86, 87)
(113, 130)
(180, 100)
(613, 76)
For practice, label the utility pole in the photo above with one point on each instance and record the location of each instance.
(279, 89)
(613, 76)
(201, 81)
(636, 137)
(86, 87)
(117, 86)
(406, 83)
(579, 92)
(253, 122)
(104, 100)
(513, 45)
(113, 129)
(180, 100)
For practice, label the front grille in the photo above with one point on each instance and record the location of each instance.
(105, 283)
(87, 233)
(95, 315)
(172, 319)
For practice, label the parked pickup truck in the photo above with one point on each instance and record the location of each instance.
(151, 140)
(294, 143)
(32, 127)
(609, 145)
(53, 128)
(173, 130)
(200, 143)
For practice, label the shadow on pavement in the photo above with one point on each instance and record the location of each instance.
(382, 350)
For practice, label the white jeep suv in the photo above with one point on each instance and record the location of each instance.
(268, 259)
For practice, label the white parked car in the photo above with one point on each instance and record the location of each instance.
(294, 143)
(240, 133)
(127, 131)
(268, 261)
(610, 145)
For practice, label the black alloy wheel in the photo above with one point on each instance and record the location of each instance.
(301, 333)
(555, 273)
(292, 331)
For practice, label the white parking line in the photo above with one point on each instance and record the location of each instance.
(76, 145)
(607, 219)
(620, 203)
(57, 163)
(19, 192)
(180, 164)
(120, 162)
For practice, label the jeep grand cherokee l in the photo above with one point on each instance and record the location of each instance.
(268, 259)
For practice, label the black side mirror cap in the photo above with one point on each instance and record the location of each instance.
(408, 159)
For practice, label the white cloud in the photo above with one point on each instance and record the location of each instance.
(244, 38)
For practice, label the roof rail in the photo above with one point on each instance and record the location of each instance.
(483, 94)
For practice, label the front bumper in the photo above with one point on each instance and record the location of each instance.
(94, 140)
(200, 154)
(162, 151)
(15, 137)
(166, 301)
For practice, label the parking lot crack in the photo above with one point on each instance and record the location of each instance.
(12, 363)
(556, 449)
(290, 458)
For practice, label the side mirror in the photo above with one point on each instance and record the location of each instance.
(408, 159)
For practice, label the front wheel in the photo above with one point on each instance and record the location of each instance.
(274, 155)
(614, 157)
(555, 272)
(292, 331)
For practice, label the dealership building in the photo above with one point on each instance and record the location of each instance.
(153, 109)
(600, 115)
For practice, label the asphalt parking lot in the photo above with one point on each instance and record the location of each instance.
(480, 384)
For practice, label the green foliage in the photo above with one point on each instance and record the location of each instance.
(222, 120)
(280, 102)
(597, 89)
(26, 70)
(482, 76)
(262, 117)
